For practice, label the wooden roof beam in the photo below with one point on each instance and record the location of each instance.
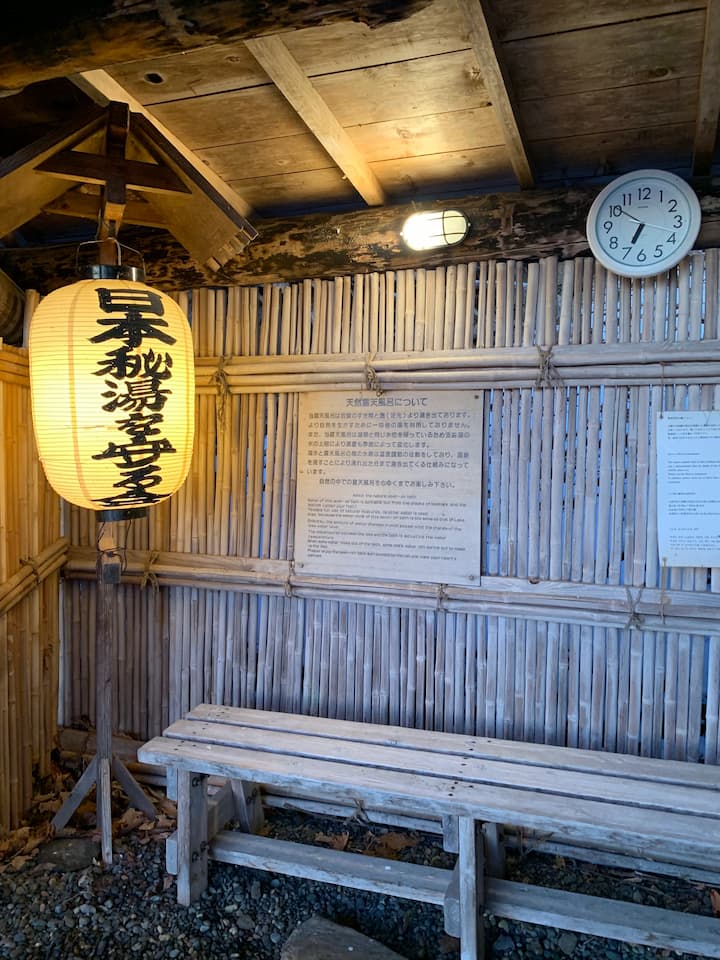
(287, 75)
(23, 192)
(708, 113)
(486, 49)
(211, 223)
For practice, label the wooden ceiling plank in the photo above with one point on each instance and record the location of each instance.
(708, 109)
(23, 192)
(100, 85)
(86, 36)
(497, 81)
(214, 213)
(285, 72)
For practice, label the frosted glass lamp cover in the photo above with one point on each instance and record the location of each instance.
(112, 380)
(431, 229)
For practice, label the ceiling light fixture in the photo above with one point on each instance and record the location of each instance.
(432, 229)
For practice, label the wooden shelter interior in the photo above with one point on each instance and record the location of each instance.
(256, 156)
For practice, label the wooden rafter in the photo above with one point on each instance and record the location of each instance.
(708, 113)
(211, 223)
(287, 75)
(485, 48)
(23, 192)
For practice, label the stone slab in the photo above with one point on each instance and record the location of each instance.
(320, 939)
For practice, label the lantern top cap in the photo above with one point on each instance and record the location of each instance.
(112, 271)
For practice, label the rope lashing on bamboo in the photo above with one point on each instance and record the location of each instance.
(371, 378)
(442, 596)
(32, 563)
(288, 580)
(148, 575)
(220, 379)
(547, 373)
(634, 618)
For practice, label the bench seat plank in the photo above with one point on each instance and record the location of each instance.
(635, 829)
(467, 768)
(510, 751)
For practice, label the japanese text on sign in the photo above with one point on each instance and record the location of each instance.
(688, 486)
(389, 486)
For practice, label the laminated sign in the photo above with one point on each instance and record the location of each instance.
(390, 486)
(688, 488)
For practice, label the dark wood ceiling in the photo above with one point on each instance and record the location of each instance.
(449, 98)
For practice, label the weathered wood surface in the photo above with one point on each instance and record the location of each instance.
(366, 765)
(38, 44)
(520, 226)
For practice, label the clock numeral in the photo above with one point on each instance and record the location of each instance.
(615, 210)
(672, 238)
(658, 250)
(627, 200)
(641, 256)
(644, 193)
(672, 204)
(613, 243)
(607, 226)
(677, 220)
(627, 251)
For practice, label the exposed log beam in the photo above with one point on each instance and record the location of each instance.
(212, 223)
(287, 75)
(521, 226)
(22, 191)
(43, 40)
(708, 113)
(486, 49)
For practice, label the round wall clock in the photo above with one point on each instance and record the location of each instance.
(643, 223)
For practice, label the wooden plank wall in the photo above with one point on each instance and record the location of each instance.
(31, 553)
(568, 506)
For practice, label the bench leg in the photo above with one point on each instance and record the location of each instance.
(472, 889)
(494, 849)
(192, 836)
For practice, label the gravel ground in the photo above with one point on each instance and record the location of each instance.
(129, 909)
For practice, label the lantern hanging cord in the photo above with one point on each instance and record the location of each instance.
(119, 247)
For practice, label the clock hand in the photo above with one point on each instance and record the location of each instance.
(637, 233)
(657, 226)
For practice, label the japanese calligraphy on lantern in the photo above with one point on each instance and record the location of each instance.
(389, 486)
(688, 488)
(136, 373)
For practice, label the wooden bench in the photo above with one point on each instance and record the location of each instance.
(657, 813)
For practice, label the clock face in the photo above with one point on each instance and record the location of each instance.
(643, 223)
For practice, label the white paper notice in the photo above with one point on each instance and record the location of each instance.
(389, 486)
(688, 487)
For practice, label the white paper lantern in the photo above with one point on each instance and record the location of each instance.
(113, 394)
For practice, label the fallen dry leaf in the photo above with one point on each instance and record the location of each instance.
(390, 844)
(131, 820)
(338, 841)
(715, 902)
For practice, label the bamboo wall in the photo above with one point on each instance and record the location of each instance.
(576, 634)
(31, 553)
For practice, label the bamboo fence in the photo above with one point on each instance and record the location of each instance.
(31, 554)
(576, 634)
